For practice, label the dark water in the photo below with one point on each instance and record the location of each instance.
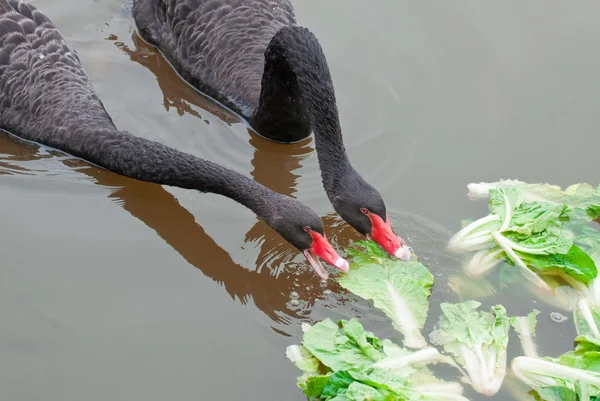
(112, 289)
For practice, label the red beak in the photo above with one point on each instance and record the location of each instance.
(381, 232)
(323, 249)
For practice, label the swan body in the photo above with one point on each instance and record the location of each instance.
(46, 97)
(252, 56)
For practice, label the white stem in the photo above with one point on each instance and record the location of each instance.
(529, 347)
(583, 391)
(473, 226)
(404, 320)
(531, 276)
(493, 255)
(483, 262)
(471, 244)
(424, 356)
(584, 309)
(594, 288)
(537, 372)
(507, 213)
(575, 283)
(519, 248)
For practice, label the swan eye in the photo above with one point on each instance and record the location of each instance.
(306, 229)
(364, 210)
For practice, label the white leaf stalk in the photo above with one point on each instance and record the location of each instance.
(594, 291)
(505, 244)
(406, 320)
(584, 312)
(526, 336)
(536, 372)
(507, 213)
(422, 357)
(485, 375)
(459, 243)
(483, 262)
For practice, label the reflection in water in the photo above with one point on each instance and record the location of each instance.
(273, 163)
(177, 93)
(161, 211)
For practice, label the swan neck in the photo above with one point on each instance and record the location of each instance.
(150, 161)
(297, 50)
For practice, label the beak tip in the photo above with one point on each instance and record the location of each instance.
(403, 253)
(342, 264)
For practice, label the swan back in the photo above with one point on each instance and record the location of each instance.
(216, 45)
(45, 94)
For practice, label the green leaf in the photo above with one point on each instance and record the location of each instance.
(557, 394)
(575, 263)
(588, 239)
(361, 392)
(302, 358)
(583, 199)
(533, 218)
(399, 288)
(314, 385)
(372, 253)
(342, 346)
(338, 381)
(504, 201)
(586, 360)
(551, 241)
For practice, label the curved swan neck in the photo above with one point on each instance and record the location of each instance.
(297, 50)
(145, 160)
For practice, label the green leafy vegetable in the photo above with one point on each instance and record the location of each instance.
(574, 375)
(580, 197)
(534, 234)
(342, 346)
(345, 362)
(399, 288)
(478, 342)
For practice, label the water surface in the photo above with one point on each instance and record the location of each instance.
(116, 289)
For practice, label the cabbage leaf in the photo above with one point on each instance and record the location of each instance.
(399, 288)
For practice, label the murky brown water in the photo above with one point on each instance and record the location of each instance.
(113, 289)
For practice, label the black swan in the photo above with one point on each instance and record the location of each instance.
(251, 56)
(46, 97)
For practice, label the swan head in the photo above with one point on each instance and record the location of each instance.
(303, 228)
(362, 206)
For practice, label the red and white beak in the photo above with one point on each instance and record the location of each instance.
(323, 249)
(381, 232)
